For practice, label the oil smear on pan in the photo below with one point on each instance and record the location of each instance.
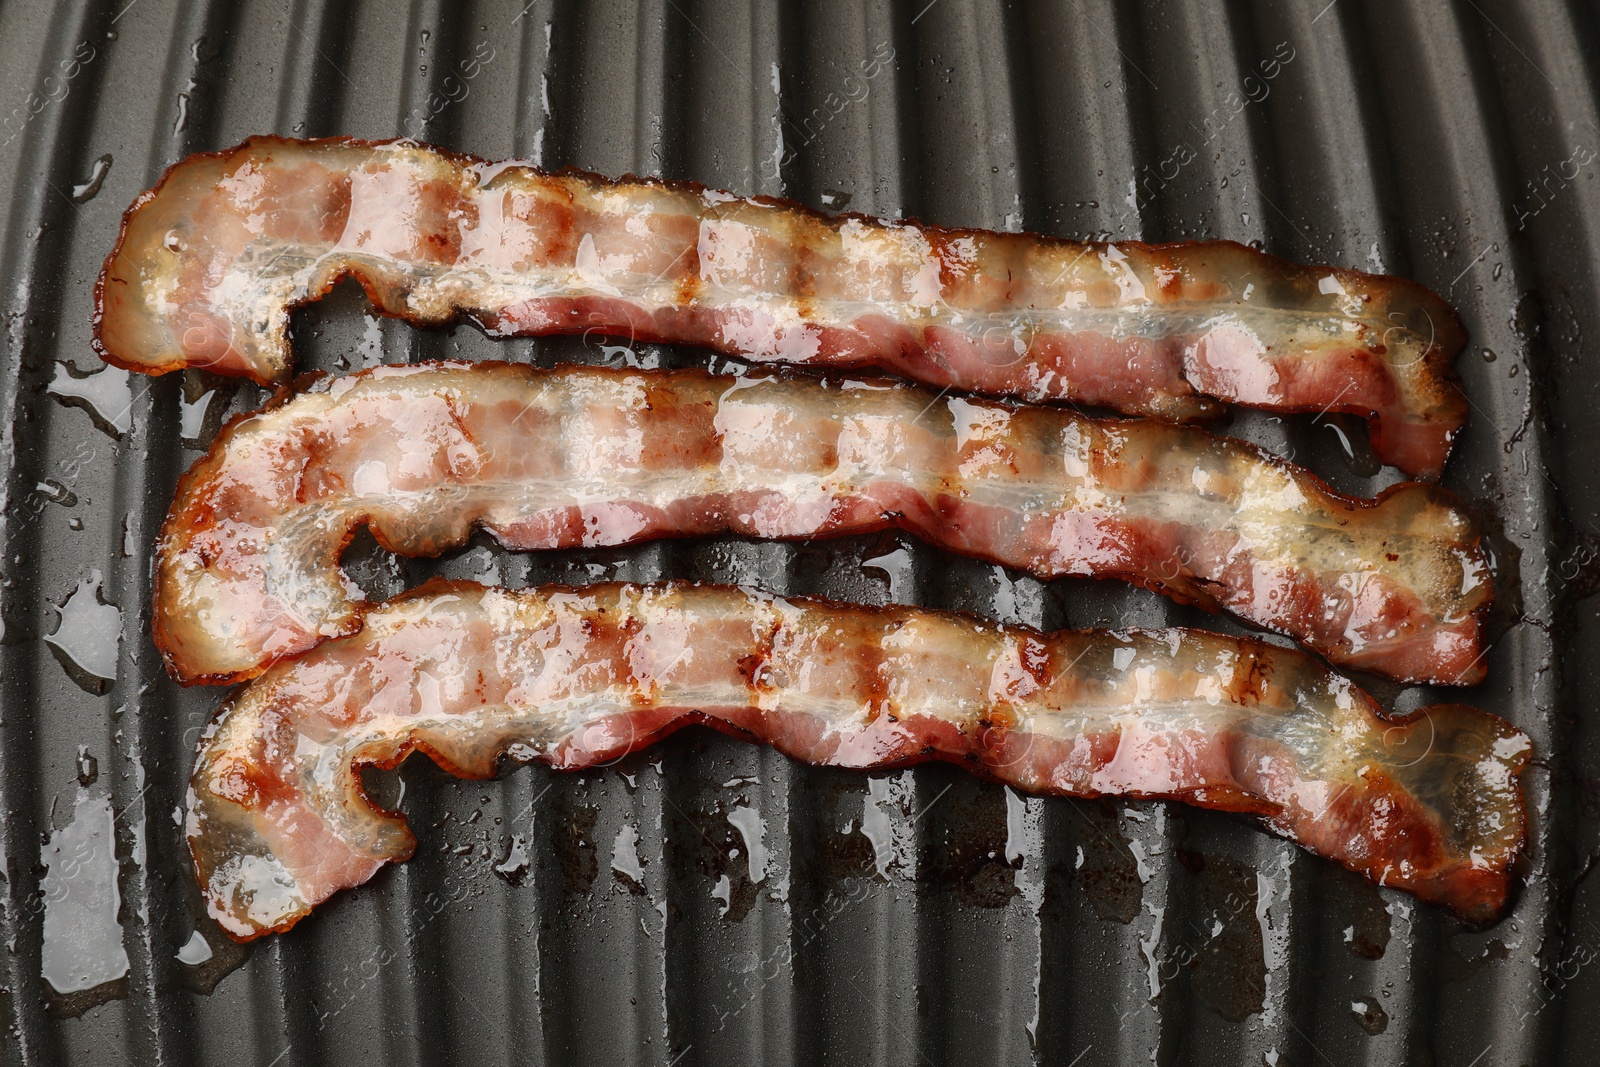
(82, 938)
(88, 635)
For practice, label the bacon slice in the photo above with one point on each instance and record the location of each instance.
(278, 821)
(210, 262)
(248, 562)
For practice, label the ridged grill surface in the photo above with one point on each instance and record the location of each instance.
(708, 901)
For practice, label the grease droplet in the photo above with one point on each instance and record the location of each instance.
(722, 893)
(88, 767)
(515, 866)
(747, 820)
(195, 951)
(106, 394)
(82, 945)
(898, 567)
(625, 855)
(57, 493)
(82, 194)
(1370, 1015)
(87, 637)
(192, 415)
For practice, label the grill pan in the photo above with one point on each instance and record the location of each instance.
(706, 901)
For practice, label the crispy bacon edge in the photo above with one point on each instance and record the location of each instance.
(278, 821)
(1416, 441)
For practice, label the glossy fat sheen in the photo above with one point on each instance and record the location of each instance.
(278, 822)
(248, 560)
(210, 262)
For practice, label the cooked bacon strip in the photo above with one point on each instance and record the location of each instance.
(248, 562)
(210, 262)
(278, 821)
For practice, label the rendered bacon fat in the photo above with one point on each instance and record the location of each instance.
(248, 562)
(278, 821)
(210, 262)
